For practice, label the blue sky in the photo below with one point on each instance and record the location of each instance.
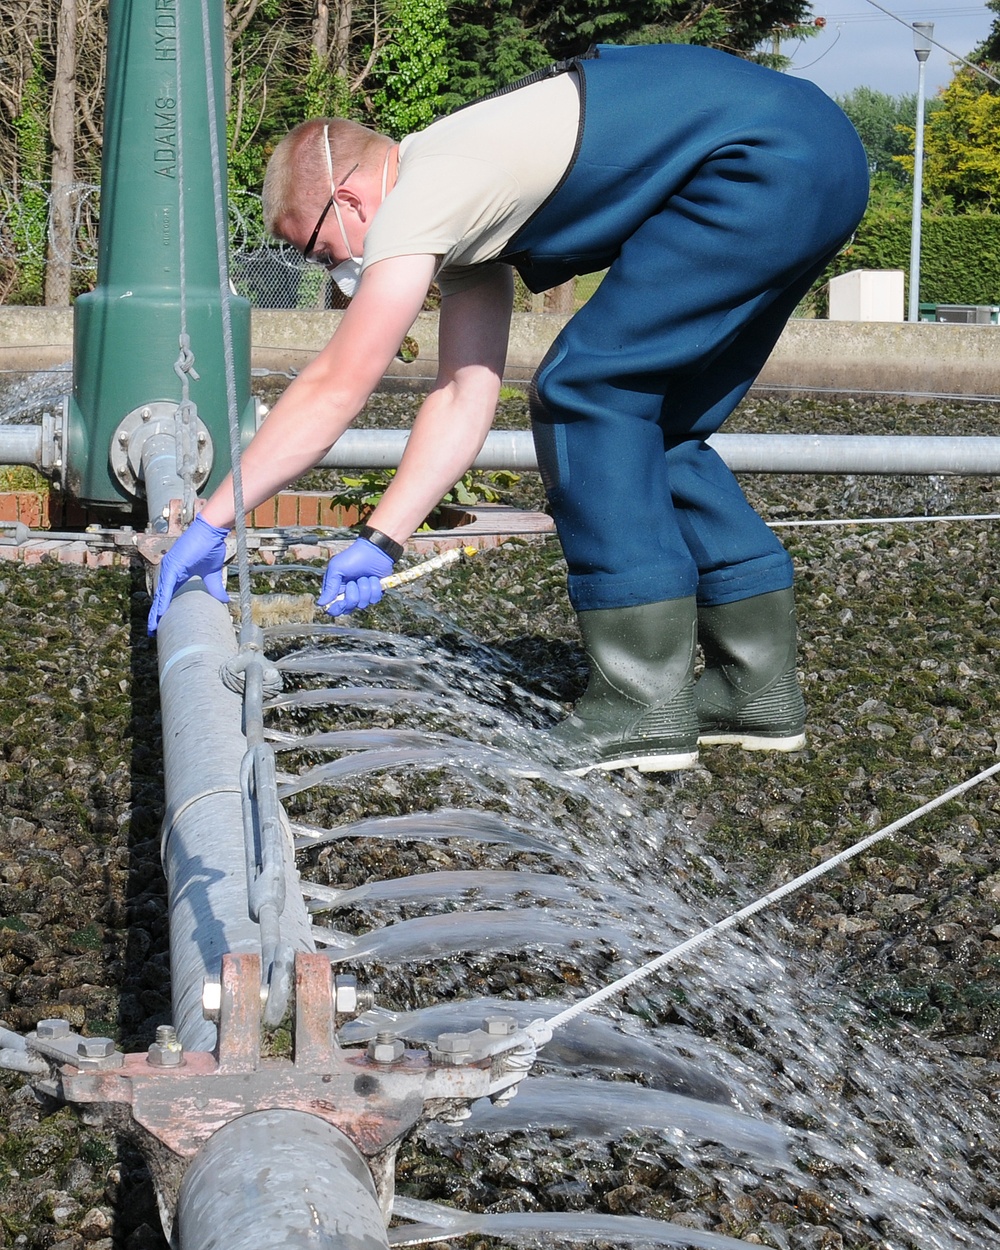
(861, 46)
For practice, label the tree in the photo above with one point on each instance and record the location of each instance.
(737, 25)
(884, 124)
(962, 144)
(989, 49)
(412, 67)
(489, 45)
(62, 130)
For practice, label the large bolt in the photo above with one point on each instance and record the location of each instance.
(345, 990)
(499, 1026)
(166, 1051)
(211, 999)
(454, 1043)
(51, 1030)
(386, 1048)
(453, 1049)
(95, 1047)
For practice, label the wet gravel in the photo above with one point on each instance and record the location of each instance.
(899, 663)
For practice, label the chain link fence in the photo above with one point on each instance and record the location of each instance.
(269, 274)
(264, 271)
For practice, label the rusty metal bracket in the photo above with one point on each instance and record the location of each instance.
(154, 546)
(374, 1095)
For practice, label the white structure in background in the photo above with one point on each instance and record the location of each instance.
(867, 295)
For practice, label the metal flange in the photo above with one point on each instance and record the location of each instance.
(372, 1095)
(154, 419)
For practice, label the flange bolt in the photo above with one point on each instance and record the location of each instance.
(166, 1051)
(95, 1047)
(386, 1048)
(499, 1026)
(51, 1030)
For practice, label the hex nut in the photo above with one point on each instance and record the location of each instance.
(386, 1052)
(454, 1043)
(160, 1056)
(211, 999)
(499, 1026)
(95, 1047)
(51, 1030)
(345, 989)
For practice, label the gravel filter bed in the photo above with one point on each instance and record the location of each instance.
(898, 661)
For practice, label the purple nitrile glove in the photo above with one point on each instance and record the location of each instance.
(199, 552)
(353, 578)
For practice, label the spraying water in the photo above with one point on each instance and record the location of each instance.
(24, 396)
(845, 1134)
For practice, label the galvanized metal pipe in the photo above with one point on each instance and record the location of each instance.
(203, 844)
(858, 453)
(21, 444)
(744, 453)
(279, 1178)
(160, 477)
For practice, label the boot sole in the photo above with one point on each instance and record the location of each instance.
(753, 742)
(644, 763)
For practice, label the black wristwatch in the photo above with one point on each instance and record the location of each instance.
(384, 543)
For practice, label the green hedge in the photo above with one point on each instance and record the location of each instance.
(959, 256)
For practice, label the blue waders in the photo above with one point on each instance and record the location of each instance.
(715, 191)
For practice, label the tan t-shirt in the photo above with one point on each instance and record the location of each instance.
(470, 181)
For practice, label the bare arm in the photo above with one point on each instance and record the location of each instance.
(331, 390)
(454, 419)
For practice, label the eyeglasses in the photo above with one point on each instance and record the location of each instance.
(307, 251)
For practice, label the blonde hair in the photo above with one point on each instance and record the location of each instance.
(297, 171)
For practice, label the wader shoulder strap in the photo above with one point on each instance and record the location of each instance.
(538, 75)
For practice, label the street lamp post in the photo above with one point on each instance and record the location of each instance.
(922, 34)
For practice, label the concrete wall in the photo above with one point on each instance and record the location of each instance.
(868, 356)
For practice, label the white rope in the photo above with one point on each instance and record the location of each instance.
(735, 918)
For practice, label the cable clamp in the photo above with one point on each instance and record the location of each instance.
(233, 672)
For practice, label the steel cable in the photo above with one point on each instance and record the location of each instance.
(539, 1028)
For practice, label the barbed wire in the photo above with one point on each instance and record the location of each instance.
(265, 271)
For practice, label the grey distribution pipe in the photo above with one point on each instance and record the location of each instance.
(160, 477)
(743, 453)
(203, 846)
(279, 1179)
(21, 444)
(858, 453)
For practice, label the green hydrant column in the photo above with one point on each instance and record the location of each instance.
(127, 330)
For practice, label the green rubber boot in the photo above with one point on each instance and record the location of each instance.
(638, 709)
(749, 693)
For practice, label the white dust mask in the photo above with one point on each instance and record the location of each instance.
(347, 274)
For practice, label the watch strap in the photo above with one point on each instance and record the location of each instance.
(384, 543)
